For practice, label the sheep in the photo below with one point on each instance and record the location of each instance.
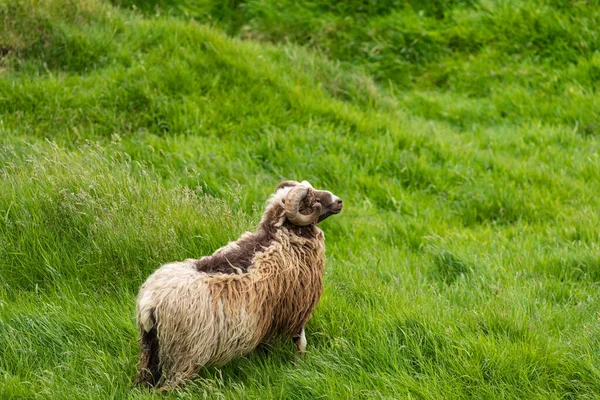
(208, 311)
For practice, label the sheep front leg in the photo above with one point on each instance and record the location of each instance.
(300, 342)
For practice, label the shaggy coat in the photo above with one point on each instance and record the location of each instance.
(267, 283)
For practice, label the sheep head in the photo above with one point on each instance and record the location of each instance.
(305, 205)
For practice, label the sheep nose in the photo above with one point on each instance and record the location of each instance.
(339, 202)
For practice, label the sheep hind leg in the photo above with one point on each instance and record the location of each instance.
(178, 377)
(175, 382)
(149, 371)
(300, 342)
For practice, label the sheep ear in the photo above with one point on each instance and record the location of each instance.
(287, 184)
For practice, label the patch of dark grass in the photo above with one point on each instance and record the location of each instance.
(502, 328)
(573, 268)
(36, 39)
(447, 267)
(590, 130)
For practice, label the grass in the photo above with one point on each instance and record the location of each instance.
(462, 136)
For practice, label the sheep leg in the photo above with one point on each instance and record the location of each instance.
(149, 370)
(300, 342)
(143, 376)
(263, 348)
(172, 384)
(179, 372)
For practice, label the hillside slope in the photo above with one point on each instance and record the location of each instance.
(465, 264)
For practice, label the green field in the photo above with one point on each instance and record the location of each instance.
(463, 136)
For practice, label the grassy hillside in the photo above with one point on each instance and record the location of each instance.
(463, 137)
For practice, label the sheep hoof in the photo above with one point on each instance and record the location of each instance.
(171, 385)
(300, 342)
(298, 358)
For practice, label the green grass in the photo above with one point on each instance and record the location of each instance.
(463, 137)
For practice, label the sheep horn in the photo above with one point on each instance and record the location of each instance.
(292, 207)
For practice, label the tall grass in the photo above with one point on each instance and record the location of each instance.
(462, 136)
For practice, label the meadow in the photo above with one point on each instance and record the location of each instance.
(462, 135)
